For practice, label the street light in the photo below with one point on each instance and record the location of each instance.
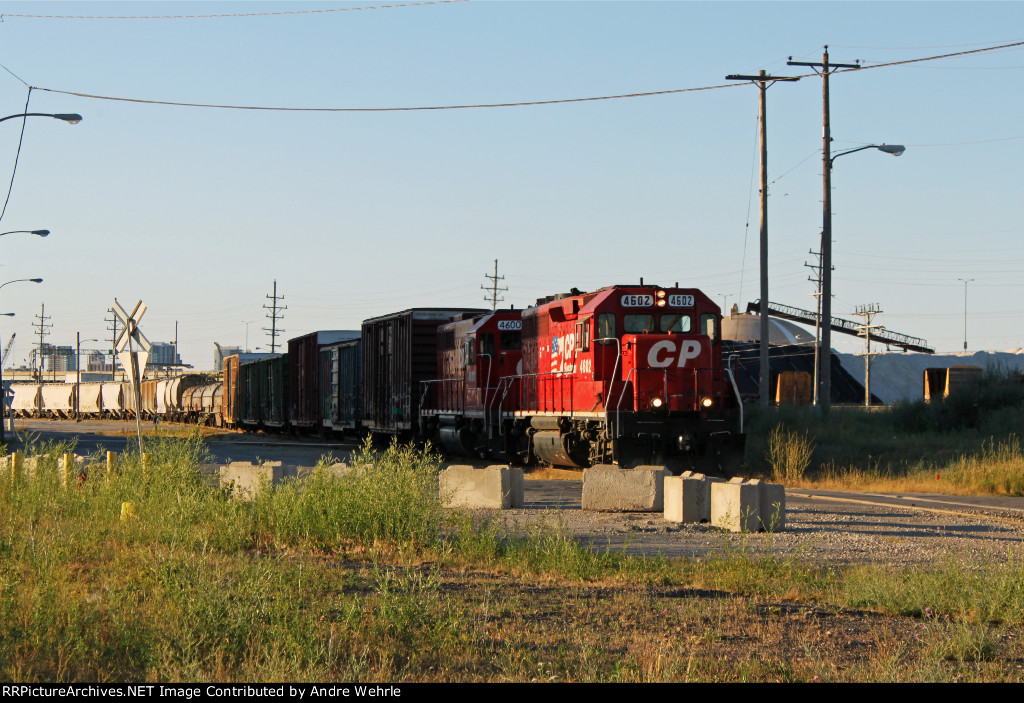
(894, 149)
(18, 280)
(965, 281)
(825, 357)
(37, 232)
(69, 117)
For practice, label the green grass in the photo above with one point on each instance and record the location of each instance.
(364, 577)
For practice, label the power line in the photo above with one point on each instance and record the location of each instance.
(233, 15)
(17, 155)
(529, 103)
(387, 109)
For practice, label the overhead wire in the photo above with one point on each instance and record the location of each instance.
(17, 154)
(528, 103)
(223, 16)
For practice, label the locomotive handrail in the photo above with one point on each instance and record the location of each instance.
(426, 389)
(735, 389)
(501, 384)
(487, 381)
(618, 406)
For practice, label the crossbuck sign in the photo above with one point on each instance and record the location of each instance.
(132, 346)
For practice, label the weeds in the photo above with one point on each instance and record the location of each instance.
(357, 574)
(789, 453)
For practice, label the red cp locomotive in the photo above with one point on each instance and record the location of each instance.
(626, 374)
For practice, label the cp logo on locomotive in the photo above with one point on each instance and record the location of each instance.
(663, 353)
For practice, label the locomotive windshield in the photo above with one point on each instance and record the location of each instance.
(675, 323)
(636, 324)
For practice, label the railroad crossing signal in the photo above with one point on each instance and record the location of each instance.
(130, 339)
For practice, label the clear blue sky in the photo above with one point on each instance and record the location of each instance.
(197, 210)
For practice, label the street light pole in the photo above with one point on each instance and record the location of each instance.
(3, 391)
(965, 282)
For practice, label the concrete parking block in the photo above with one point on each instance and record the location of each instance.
(773, 507)
(244, 478)
(609, 488)
(736, 506)
(499, 487)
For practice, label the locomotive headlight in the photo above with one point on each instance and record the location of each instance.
(657, 403)
(661, 294)
(706, 402)
(661, 302)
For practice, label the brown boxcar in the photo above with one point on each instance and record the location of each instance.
(399, 352)
(304, 376)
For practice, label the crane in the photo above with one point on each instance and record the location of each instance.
(7, 350)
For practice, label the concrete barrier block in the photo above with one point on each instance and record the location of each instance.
(736, 506)
(773, 507)
(463, 486)
(609, 488)
(244, 478)
(687, 499)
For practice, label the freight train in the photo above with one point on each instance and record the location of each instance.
(629, 375)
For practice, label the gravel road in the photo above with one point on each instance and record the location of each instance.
(835, 527)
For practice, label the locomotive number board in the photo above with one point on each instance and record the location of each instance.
(676, 300)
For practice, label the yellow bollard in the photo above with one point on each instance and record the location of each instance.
(128, 511)
(67, 469)
(111, 465)
(17, 462)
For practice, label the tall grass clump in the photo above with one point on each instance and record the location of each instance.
(998, 469)
(388, 495)
(789, 453)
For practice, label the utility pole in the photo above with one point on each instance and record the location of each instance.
(113, 341)
(867, 312)
(825, 69)
(43, 327)
(965, 281)
(763, 80)
(493, 297)
(816, 280)
(274, 316)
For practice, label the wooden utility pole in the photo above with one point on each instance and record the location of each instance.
(825, 69)
(274, 316)
(43, 326)
(493, 297)
(763, 80)
(867, 312)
